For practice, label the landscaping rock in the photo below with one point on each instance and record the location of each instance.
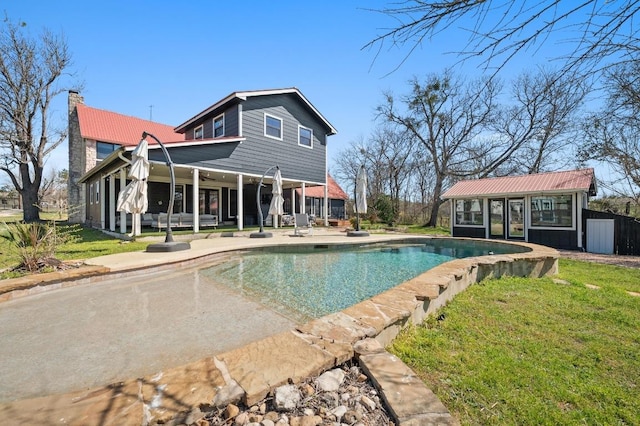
(353, 402)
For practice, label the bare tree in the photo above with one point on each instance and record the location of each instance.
(595, 32)
(539, 123)
(30, 69)
(389, 153)
(612, 136)
(447, 117)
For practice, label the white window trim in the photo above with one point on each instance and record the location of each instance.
(484, 215)
(281, 126)
(200, 127)
(554, 228)
(311, 140)
(224, 126)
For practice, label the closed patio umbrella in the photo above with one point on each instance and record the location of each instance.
(276, 208)
(133, 198)
(361, 191)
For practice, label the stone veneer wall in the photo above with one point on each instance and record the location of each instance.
(77, 162)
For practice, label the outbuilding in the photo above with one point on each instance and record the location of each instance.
(542, 208)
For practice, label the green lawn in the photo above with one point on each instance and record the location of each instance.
(533, 352)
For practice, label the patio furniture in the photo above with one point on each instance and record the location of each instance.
(302, 225)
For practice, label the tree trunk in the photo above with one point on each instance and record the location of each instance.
(435, 207)
(30, 208)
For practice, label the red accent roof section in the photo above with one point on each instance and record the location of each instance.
(111, 127)
(573, 180)
(333, 189)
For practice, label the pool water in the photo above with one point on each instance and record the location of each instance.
(303, 283)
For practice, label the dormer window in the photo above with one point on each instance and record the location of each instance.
(198, 133)
(272, 126)
(218, 126)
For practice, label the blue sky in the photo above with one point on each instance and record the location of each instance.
(131, 55)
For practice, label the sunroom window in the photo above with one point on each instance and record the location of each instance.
(552, 211)
(469, 212)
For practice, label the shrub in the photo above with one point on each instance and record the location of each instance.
(36, 243)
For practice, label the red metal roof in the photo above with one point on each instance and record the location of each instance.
(333, 189)
(573, 180)
(106, 126)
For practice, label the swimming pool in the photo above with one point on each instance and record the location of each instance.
(307, 282)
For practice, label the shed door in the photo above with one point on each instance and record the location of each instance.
(600, 236)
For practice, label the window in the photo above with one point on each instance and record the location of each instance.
(103, 149)
(469, 212)
(552, 211)
(272, 126)
(198, 133)
(218, 126)
(178, 199)
(305, 137)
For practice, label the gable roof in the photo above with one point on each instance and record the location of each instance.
(333, 190)
(107, 126)
(553, 182)
(242, 96)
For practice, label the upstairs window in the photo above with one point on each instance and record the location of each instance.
(305, 137)
(218, 126)
(198, 133)
(103, 149)
(272, 127)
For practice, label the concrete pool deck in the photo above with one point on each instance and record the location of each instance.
(250, 372)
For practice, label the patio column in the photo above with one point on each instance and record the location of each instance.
(103, 203)
(527, 216)
(112, 202)
(578, 217)
(240, 207)
(303, 199)
(196, 201)
(123, 214)
(325, 208)
(293, 201)
(486, 217)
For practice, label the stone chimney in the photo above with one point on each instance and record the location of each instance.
(77, 162)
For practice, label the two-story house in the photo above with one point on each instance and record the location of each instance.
(219, 156)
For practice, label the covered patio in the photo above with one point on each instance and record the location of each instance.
(203, 197)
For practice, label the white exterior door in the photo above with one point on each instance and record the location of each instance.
(600, 236)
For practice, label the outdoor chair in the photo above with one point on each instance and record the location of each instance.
(302, 225)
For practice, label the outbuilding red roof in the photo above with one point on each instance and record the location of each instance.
(552, 182)
(333, 189)
(111, 127)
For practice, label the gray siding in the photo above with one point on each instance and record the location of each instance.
(230, 123)
(258, 152)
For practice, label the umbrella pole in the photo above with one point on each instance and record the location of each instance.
(169, 244)
(261, 233)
